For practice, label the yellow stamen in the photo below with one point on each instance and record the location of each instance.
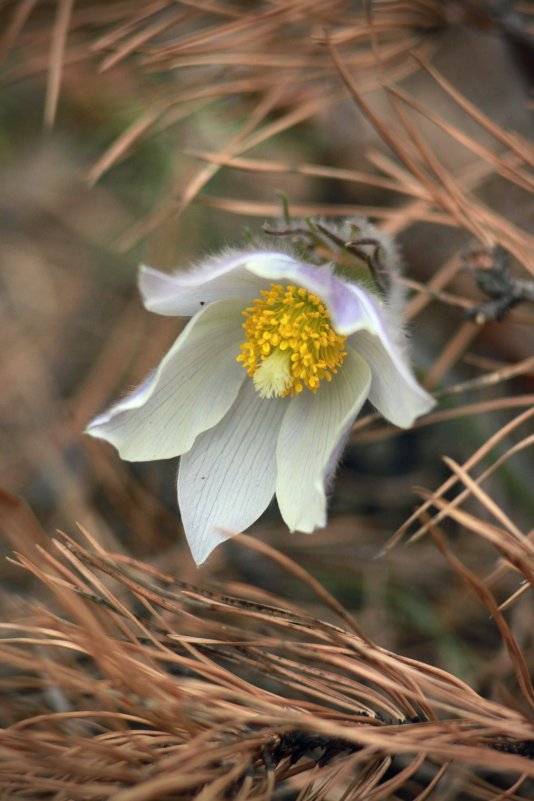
(290, 342)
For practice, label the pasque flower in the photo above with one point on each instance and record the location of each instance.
(259, 391)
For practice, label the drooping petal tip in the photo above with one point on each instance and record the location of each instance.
(395, 392)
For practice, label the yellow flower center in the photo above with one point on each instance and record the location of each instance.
(290, 342)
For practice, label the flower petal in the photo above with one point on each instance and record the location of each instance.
(228, 477)
(191, 390)
(312, 431)
(227, 276)
(243, 274)
(394, 390)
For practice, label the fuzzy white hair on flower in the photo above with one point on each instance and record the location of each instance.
(259, 391)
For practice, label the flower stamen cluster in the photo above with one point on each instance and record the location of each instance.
(290, 342)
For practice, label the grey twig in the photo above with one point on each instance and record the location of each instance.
(503, 291)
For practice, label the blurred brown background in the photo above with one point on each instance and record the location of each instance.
(159, 132)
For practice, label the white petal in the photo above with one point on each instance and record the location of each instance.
(226, 276)
(228, 477)
(312, 431)
(191, 390)
(244, 273)
(394, 390)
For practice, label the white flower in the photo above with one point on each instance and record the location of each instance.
(259, 391)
